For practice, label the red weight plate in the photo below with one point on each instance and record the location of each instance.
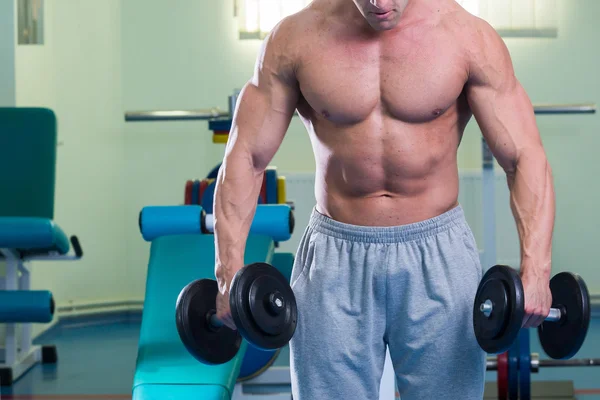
(503, 376)
(203, 185)
(188, 192)
(263, 189)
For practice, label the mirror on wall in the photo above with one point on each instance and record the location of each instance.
(30, 21)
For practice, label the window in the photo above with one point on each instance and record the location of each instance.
(511, 18)
(257, 17)
(517, 18)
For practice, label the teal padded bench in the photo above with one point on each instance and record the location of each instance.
(28, 138)
(164, 368)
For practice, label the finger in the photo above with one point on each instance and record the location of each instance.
(537, 319)
(230, 323)
(527, 321)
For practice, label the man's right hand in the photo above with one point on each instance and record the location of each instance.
(223, 309)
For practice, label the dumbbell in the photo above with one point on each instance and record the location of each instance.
(263, 307)
(499, 308)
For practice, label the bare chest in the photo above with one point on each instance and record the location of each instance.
(346, 80)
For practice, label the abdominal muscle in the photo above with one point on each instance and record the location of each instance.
(386, 173)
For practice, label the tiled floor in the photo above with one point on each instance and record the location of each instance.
(98, 362)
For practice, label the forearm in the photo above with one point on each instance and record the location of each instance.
(533, 206)
(236, 193)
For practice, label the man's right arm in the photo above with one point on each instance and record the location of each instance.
(265, 108)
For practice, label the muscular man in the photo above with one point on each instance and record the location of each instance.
(385, 89)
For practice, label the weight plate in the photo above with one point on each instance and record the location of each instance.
(524, 366)
(563, 339)
(195, 187)
(201, 190)
(256, 361)
(188, 192)
(513, 371)
(271, 185)
(250, 300)
(503, 376)
(207, 344)
(262, 198)
(502, 286)
(214, 172)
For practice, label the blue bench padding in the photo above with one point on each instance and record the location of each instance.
(162, 361)
(32, 236)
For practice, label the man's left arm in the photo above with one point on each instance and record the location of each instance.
(506, 118)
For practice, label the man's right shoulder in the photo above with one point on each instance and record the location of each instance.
(297, 30)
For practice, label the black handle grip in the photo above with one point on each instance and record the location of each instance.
(76, 246)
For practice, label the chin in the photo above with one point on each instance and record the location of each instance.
(384, 26)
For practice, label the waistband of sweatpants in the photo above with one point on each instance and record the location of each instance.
(393, 234)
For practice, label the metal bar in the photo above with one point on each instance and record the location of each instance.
(554, 316)
(175, 115)
(582, 362)
(492, 363)
(565, 108)
(212, 113)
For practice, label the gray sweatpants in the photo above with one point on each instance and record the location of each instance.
(410, 288)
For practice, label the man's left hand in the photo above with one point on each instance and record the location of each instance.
(538, 299)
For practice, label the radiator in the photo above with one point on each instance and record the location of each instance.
(300, 189)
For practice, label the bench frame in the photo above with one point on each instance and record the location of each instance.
(18, 354)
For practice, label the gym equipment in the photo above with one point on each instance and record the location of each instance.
(256, 361)
(271, 185)
(262, 198)
(27, 233)
(524, 363)
(188, 192)
(562, 336)
(17, 306)
(281, 194)
(216, 114)
(214, 172)
(164, 367)
(492, 363)
(196, 192)
(528, 364)
(513, 372)
(220, 137)
(203, 185)
(498, 312)
(263, 307)
(498, 309)
(203, 337)
(502, 367)
(273, 220)
(208, 197)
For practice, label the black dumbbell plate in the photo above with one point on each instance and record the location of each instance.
(502, 286)
(250, 299)
(208, 344)
(562, 340)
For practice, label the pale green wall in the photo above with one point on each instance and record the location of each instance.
(77, 73)
(7, 53)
